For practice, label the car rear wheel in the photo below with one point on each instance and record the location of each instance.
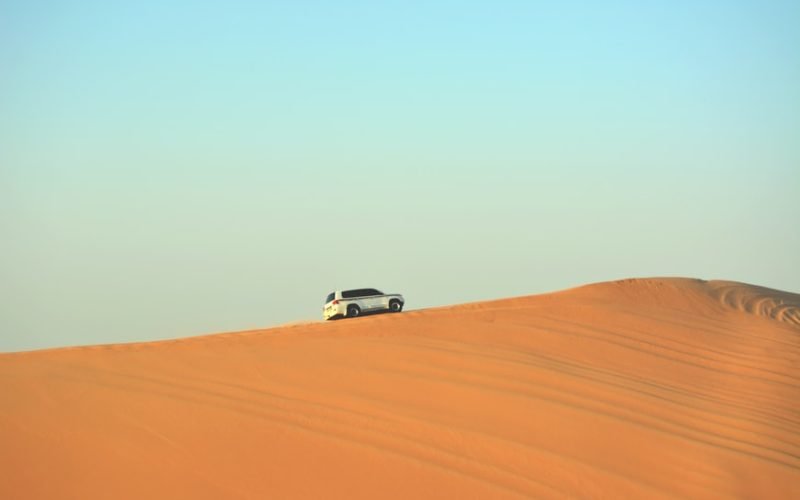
(395, 306)
(353, 311)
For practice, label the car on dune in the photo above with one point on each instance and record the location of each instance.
(353, 303)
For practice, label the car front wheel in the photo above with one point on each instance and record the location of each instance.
(395, 306)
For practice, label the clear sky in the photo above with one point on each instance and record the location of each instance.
(177, 168)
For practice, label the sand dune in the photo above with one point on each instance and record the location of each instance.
(651, 388)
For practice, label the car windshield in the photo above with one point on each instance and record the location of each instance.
(331, 296)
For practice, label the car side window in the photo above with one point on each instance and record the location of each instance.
(361, 292)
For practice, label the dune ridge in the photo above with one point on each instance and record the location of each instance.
(641, 388)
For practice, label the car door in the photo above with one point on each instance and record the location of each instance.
(377, 299)
(366, 300)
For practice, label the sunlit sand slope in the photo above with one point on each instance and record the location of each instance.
(651, 388)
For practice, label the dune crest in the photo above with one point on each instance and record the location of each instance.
(644, 388)
(701, 296)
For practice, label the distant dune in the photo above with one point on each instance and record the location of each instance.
(646, 388)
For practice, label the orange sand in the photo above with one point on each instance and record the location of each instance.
(639, 389)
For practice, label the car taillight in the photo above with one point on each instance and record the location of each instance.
(335, 302)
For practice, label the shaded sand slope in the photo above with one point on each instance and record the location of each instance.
(648, 388)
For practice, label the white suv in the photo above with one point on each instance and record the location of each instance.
(352, 303)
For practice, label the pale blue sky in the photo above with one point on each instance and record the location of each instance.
(177, 168)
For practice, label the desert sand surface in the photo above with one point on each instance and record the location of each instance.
(646, 388)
